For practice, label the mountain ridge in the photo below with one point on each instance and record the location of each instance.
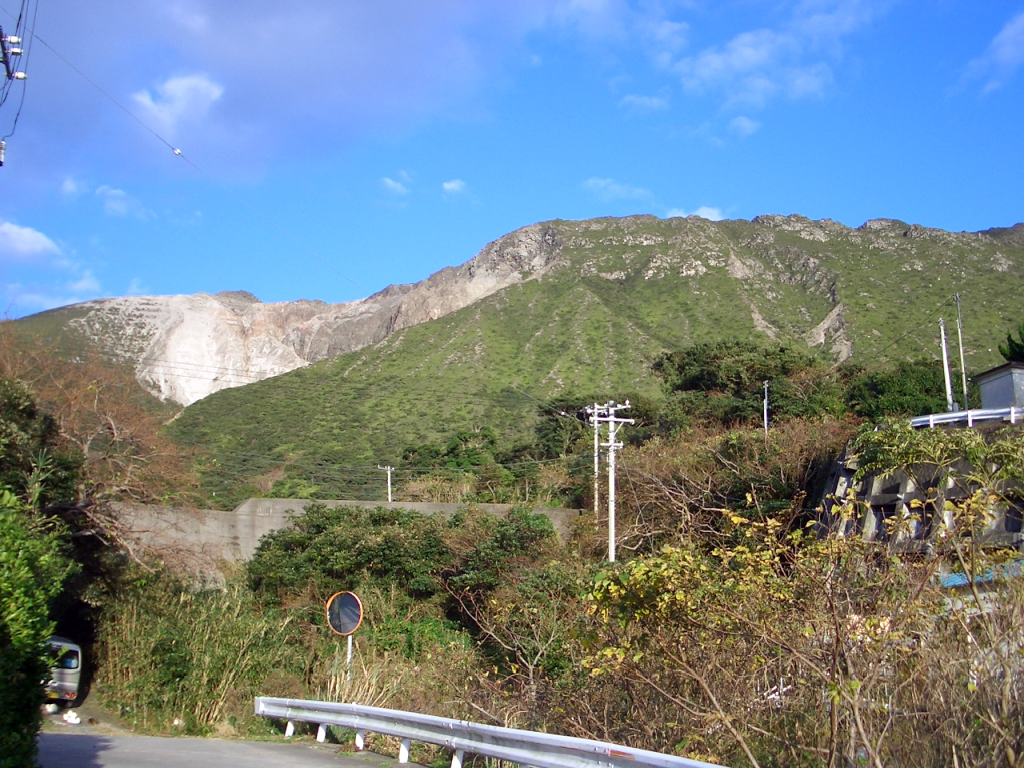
(792, 275)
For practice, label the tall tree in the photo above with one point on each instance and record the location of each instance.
(1013, 350)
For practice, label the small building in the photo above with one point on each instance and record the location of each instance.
(1002, 386)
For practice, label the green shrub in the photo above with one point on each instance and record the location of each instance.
(33, 567)
(909, 389)
(167, 653)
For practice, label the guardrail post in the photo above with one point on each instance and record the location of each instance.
(403, 751)
(289, 730)
(457, 758)
(321, 733)
(360, 740)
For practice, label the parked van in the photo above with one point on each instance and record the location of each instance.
(66, 671)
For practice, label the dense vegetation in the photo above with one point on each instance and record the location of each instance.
(73, 437)
(620, 293)
(728, 631)
(34, 562)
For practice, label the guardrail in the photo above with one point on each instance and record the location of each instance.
(1013, 415)
(527, 748)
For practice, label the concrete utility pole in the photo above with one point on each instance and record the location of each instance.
(960, 339)
(594, 411)
(614, 422)
(945, 365)
(388, 470)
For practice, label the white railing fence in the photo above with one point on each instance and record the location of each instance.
(526, 748)
(1012, 415)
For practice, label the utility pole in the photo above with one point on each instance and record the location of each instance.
(614, 422)
(388, 470)
(960, 339)
(595, 411)
(7, 52)
(945, 365)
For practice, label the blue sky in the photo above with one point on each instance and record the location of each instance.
(331, 148)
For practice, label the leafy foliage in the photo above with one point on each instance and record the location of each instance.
(911, 388)
(33, 567)
(31, 460)
(329, 549)
(1013, 350)
(724, 381)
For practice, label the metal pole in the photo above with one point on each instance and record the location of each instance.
(766, 409)
(945, 365)
(348, 661)
(960, 339)
(388, 470)
(597, 461)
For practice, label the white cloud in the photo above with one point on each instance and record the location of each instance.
(1002, 58)
(743, 126)
(758, 65)
(80, 285)
(117, 202)
(639, 104)
(86, 283)
(24, 243)
(609, 189)
(394, 187)
(188, 96)
(704, 212)
(72, 187)
(454, 187)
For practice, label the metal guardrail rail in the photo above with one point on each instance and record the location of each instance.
(1012, 415)
(526, 748)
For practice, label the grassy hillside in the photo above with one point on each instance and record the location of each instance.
(623, 291)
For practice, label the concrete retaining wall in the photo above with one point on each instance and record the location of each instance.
(201, 539)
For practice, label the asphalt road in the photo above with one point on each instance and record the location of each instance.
(86, 748)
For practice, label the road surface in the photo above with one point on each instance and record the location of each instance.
(81, 749)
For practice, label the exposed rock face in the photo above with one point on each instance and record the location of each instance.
(187, 347)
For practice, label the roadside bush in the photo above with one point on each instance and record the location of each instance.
(168, 657)
(908, 389)
(33, 567)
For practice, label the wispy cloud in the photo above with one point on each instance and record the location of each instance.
(608, 190)
(394, 187)
(704, 212)
(178, 98)
(70, 284)
(137, 288)
(24, 243)
(454, 187)
(791, 61)
(743, 126)
(72, 187)
(641, 104)
(117, 202)
(1001, 60)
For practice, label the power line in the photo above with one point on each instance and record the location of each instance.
(30, 33)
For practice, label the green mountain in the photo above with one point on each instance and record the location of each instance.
(596, 302)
